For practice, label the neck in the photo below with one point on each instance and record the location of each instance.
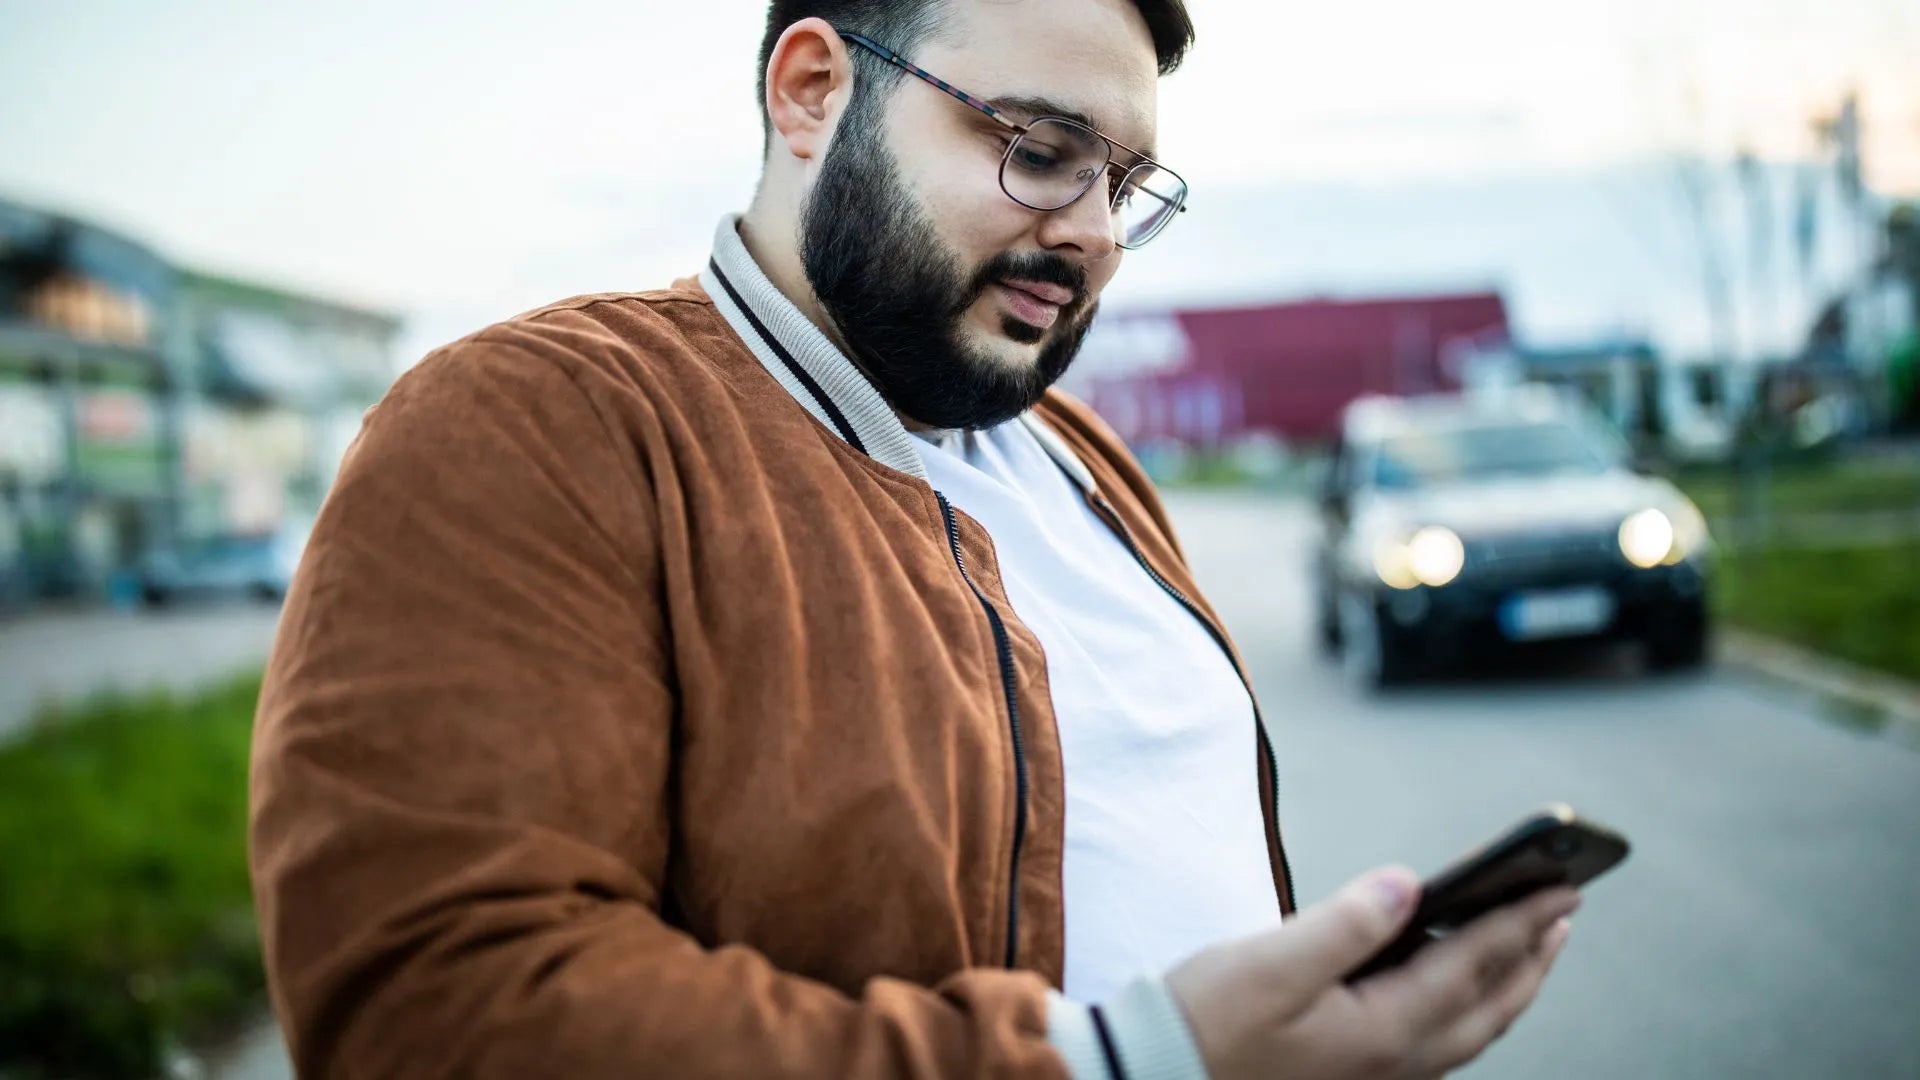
(771, 234)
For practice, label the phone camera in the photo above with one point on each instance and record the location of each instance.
(1563, 846)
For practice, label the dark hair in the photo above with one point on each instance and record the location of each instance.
(902, 25)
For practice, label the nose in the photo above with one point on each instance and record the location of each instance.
(1085, 224)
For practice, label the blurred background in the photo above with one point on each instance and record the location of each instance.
(1535, 386)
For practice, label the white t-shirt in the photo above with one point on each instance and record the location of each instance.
(1166, 849)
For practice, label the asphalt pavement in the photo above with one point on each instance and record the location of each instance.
(49, 658)
(1765, 923)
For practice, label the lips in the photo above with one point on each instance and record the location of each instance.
(1057, 295)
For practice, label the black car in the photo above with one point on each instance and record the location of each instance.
(1454, 526)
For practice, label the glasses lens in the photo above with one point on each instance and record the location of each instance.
(1053, 163)
(1144, 202)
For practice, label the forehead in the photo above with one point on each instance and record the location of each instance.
(1094, 58)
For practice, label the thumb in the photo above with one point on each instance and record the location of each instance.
(1319, 946)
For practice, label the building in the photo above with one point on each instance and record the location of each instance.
(144, 405)
(86, 441)
(276, 383)
(1210, 377)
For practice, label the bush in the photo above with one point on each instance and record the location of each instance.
(126, 925)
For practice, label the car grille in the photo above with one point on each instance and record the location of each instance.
(1542, 556)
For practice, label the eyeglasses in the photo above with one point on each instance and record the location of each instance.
(1050, 163)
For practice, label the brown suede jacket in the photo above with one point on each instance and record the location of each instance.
(626, 718)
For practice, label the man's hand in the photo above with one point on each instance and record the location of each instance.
(1276, 1005)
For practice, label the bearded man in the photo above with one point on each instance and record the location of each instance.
(771, 675)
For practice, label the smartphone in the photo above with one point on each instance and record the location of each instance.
(1552, 846)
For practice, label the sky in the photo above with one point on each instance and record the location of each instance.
(460, 162)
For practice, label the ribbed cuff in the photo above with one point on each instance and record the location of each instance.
(1070, 1030)
(1149, 1034)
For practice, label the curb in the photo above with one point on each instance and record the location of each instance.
(1859, 697)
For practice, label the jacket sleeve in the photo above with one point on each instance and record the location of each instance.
(462, 774)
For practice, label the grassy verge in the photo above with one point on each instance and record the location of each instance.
(1206, 470)
(1861, 604)
(1819, 487)
(126, 926)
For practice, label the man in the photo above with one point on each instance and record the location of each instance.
(768, 675)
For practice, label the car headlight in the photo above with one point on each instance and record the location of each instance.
(1433, 556)
(1655, 537)
(1690, 535)
(1646, 538)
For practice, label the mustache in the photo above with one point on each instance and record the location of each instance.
(1037, 266)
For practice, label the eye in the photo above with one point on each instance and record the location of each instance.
(1035, 156)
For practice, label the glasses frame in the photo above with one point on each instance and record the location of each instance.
(1020, 129)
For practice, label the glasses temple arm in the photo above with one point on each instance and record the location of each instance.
(931, 79)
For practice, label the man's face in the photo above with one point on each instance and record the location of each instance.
(962, 305)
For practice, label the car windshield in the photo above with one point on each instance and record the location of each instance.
(1478, 453)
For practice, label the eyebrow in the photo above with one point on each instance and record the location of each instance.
(1032, 107)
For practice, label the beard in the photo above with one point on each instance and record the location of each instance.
(898, 296)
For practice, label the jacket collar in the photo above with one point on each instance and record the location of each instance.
(817, 374)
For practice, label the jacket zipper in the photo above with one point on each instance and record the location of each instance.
(1004, 648)
(1267, 760)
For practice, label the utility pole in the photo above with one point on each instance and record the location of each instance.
(1697, 186)
(1865, 327)
(1745, 416)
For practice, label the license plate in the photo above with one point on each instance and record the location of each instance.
(1560, 613)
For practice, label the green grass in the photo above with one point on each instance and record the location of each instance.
(1820, 487)
(1202, 470)
(1213, 471)
(126, 925)
(1844, 589)
(1861, 604)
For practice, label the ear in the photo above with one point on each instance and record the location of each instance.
(809, 80)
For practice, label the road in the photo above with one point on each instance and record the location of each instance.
(1765, 924)
(62, 657)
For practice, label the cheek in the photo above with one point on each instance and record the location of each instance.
(962, 198)
(1102, 271)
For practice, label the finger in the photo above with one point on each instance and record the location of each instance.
(1454, 976)
(1517, 928)
(1483, 1026)
(1319, 946)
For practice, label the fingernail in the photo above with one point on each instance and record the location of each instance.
(1394, 890)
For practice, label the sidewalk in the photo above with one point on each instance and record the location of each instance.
(63, 656)
(1860, 697)
(258, 1055)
